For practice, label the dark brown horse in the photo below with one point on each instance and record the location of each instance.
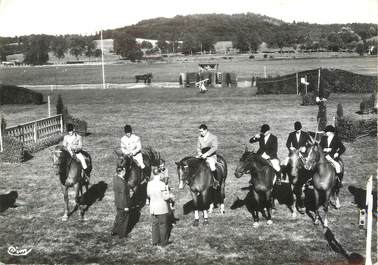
(146, 78)
(196, 173)
(70, 174)
(134, 175)
(298, 176)
(324, 180)
(262, 180)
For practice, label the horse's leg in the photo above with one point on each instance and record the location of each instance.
(316, 219)
(269, 203)
(78, 189)
(336, 196)
(196, 214)
(325, 207)
(255, 213)
(65, 195)
(205, 203)
(223, 196)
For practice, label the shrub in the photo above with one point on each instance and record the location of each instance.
(349, 128)
(80, 125)
(59, 105)
(19, 95)
(42, 144)
(13, 150)
(308, 99)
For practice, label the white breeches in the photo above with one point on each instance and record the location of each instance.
(139, 158)
(81, 158)
(335, 164)
(275, 164)
(212, 160)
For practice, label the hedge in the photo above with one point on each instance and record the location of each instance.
(13, 150)
(349, 128)
(81, 126)
(331, 80)
(43, 144)
(19, 95)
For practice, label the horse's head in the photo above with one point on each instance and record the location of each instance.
(244, 166)
(313, 156)
(182, 172)
(296, 161)
(123, 162)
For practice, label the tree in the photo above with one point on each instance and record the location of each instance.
(59, 105)
(90, 47)
(77, 46)
(360, 48)
(59, 47)
(36, 48)
(127, 47)
(146, 45)
(163, 45)
(190, 44)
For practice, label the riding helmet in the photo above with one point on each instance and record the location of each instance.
(265, 128)
(128, 129)
(330, 128)
(297, 125)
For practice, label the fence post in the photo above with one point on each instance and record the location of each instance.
(296, 78)
(35, 132)
(369, 202)
(48, 103)
(61, 123)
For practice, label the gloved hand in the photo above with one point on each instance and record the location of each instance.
(265, 156)
(336, 155)
(292, 148)
(327, 150)
(302, 149)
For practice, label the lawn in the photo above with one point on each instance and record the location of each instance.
(168, 120)
(169, 72)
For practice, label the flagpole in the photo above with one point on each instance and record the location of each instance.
(102, 59)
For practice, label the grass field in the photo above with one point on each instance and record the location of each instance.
(169, 72)
(167, 119)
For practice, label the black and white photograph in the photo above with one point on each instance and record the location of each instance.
(188, 132)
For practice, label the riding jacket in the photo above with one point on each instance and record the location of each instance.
(207, 145)
(336, 146)
(292, 140)
(270, 147)
(131, 144)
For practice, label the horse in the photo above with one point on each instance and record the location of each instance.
(196, 173)
(146, 78)
(70, 174)
(134, 175)
(324, 180)
(298, 176)
(262, 179)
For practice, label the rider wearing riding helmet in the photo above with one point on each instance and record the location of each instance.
(268, 148)
(131, 146)
(297, 140)
(333, 149)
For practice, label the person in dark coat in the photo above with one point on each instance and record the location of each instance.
(333, 148)
(268, 148)
(122, 203)
(297, 140)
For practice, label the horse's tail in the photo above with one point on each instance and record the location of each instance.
(223, 162)
(152, 155)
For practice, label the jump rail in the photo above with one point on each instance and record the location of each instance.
(33, 131)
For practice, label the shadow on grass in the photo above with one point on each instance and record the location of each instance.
(353, 258)
(95, 193)
(359, 195)
(27, 156)
(138, 201)
(8, 200)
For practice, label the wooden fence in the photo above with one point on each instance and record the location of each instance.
(32, 132)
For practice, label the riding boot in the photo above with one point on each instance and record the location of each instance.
(215, 180)
(145, 174)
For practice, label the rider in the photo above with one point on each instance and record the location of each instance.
(297, 140)
(268, 148)
(207, 146)
(333, 149)
(131, 146)
(73, 143)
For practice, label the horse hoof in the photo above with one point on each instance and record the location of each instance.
(316, 222)
(294, 215)
(255, 224)
(223, 212)
(337, 204)
(205, 222)
(65, 218)
(301, 210)
(269, 222)
(196, 223)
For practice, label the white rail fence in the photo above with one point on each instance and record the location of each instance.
(34, 131)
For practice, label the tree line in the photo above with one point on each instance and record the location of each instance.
(198, 33)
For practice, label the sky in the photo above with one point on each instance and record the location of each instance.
(56, 17)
